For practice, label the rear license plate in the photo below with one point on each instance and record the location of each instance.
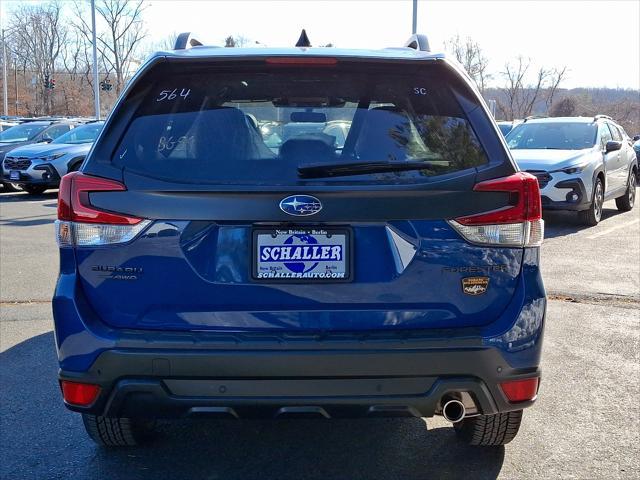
(14, 175)
(302, 254)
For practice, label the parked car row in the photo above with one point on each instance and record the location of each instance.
(36, 153)
(580, 162)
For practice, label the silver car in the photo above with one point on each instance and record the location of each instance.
(38, 167)
(580, 162)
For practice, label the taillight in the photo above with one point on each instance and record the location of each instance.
(520, 390)
(519, 224)
(74, 205)
(81, 224)
(80, 394)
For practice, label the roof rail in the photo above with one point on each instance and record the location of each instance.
(598, 117)
(533, 117)
(186, 40)
(418, 42)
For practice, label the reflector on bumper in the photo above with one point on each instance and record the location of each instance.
(80, 394)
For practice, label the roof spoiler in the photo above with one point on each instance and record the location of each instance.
(303, 41)
(598, 117)
(186, 40)
(418, 42)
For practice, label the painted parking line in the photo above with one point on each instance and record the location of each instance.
(26, 200)
(613, 229)
(7, 219)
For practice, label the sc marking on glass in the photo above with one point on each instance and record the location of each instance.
(300, 205)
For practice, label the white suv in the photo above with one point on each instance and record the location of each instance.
(579, 161)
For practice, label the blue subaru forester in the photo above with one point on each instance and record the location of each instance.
(299, 232)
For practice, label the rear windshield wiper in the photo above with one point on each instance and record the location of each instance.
(358, 168)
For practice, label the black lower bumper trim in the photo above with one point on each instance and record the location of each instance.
(333, 383)
(151, 399)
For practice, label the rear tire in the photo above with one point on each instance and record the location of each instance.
(593, 214)
(117, 432)
(34, 189)
(489, 430)
(625, 202)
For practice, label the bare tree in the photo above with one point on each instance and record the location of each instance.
(557, 75)
(567, 107)
(514, 77)
(121, 34)
(523, 96)
(237, 41)
(530, 95)
(469, 54)
(38, 37)
(168, 42)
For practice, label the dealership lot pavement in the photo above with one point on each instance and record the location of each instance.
(585, 424)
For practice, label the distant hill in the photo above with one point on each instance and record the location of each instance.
(623, 105)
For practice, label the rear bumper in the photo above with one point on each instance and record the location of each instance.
(270, 383)
(145, 373)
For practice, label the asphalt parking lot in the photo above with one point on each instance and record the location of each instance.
(585, 424)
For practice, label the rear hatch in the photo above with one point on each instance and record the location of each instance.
(238, 209)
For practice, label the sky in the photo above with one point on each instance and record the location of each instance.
(551, 33)
(599, 41)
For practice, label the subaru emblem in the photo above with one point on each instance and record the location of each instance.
(300, 205)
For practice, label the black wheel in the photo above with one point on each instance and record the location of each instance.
(625, 202)
(10, 187)
(117, 432)
(489, 430)
(593, 214)
(34, 189)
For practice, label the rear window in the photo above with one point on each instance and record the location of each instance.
(81, 134)
(294, 126)
(22, 133)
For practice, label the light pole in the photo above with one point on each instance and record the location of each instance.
(5, 85)
(414, 25)
(15, 82)
(96, 90)
(5, 100)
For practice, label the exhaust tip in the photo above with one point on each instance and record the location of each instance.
(453, 411)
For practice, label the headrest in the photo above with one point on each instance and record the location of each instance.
(308, 148)
(386, 131)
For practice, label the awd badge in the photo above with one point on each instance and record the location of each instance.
(475, 285)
